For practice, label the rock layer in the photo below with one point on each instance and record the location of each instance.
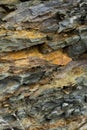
(43, 65)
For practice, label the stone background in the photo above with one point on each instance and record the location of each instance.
(43, 64)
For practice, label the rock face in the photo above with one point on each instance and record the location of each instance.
(43, 65)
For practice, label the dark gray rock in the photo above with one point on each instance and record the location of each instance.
(49, 26)
(63, 43)
(9, 85)
(52, 110)
(32, 77)
(77, 49)
(15, 44)
(33, 12)
(21, 113)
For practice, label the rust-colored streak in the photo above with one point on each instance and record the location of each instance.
(58, 57)
(55, 57)
(26, 34)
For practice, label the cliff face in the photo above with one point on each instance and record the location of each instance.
(43, 65)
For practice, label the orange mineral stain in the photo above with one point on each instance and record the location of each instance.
(26, 34)
(22, 57)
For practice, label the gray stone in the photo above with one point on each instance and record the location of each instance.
(32, 77)
(64, 43)
(9, 85)
(15, 44)
(21, 113)
(66, 26)
(77, 49)
(33, 12)
(49, 26)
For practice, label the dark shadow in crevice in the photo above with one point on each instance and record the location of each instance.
(6, 8)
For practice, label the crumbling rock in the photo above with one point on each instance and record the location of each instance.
(43, 65)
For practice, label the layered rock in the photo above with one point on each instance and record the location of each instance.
(43, 65)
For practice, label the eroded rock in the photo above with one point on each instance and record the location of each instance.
(43, 65)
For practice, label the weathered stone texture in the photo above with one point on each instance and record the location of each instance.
(43, 65)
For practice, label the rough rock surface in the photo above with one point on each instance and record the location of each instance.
(43, 65)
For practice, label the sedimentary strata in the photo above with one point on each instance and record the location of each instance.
(43, 65)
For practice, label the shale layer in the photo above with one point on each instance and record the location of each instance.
(43, 65)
